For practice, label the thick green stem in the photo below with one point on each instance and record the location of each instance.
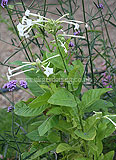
(80, 119)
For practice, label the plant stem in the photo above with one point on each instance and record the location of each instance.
(108, 35)
(13, 133)
(88, 44)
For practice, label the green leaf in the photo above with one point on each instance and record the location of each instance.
(109, 130)
(53, 137)
(62, 97)
(34, 87)
(44, 150)
(76, 156)
(90, 135)
(47, 125)
(63, 147)
(93, 95)
(22, 109)
(109, 155)
(101, 130)
(34, 136)
(99, 104)
(55, 111)
(57, 61)
(64, 126)
(75, 75)
(40, 101)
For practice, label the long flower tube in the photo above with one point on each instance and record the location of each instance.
(107, 117)
(47, 70)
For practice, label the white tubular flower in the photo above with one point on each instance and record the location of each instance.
(50, 58)
(48, 71)
(22, 30)
(76, 26)
(67, 35)
(15, 74)
(10, 71)
(86, 26)
(63, 45)
(27, 13)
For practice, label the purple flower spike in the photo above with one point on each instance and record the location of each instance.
(23, 83)
(4, 3)
(71, 44)
(77, 33)
(110, 86)
(11, 85)
(10, 108)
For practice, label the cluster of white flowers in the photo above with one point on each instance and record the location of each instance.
(47, 70)
(25, 27)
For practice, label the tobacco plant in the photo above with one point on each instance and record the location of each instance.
(65, 131)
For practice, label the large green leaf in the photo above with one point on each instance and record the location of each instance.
(109, 155)
(76, 156)
(75, 75)
(99, 104)
(40, 101)
(57, 61)
(64, 126)
(63, 147)
(54, 137)
(93, 95)
(55, 111)
(44, 150)
(34, 87)
(34, 136)
(47, 125)
(22, 109)
(62, 97)
(110, 129)
(90, 135)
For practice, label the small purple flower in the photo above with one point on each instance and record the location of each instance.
(77, 33)
(10, 108)
(23, 83)
(71, 44)
(11, 85)
(110, 86)
(4, 2)
(100, 6)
